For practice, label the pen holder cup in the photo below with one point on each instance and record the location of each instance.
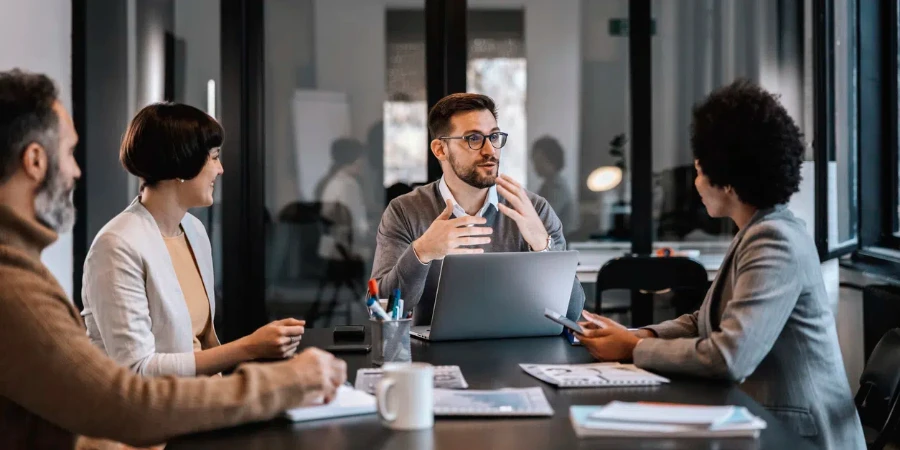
(390, 341)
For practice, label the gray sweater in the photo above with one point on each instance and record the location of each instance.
(409, 216)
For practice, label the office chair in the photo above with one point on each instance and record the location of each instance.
(645, 276)
(879, 391)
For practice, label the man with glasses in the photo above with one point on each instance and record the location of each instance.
(471, 209)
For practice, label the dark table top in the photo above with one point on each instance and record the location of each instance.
(494, 364)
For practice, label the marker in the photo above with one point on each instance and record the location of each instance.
(399, 309)
(377, 309)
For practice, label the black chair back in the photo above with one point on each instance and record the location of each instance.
(651, 275)
(879, 390)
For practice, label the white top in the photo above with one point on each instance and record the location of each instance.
(344, 192)
(457, 210)
(134, 308)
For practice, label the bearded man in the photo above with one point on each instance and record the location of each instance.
(471, 209)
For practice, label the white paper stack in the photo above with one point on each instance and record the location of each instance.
(621, 419)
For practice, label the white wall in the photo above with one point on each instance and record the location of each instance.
(36, 35)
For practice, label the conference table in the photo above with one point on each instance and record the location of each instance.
(494, 364)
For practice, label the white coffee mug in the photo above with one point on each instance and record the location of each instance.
(405, 396)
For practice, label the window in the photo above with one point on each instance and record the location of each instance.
(843, 208)
(344, 119)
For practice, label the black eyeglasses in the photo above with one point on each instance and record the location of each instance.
(476, 140)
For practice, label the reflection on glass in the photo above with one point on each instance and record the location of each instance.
(549, 159)
(345, 132)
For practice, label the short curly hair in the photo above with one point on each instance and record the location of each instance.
(744, 138)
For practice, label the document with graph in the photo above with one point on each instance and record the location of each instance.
(593, 375)
(528, 402)
(445, 377)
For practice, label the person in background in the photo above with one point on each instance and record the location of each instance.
(343, 203)
(549, 159)
(55, 384)
(766, 321)
(148, 277)
(463, 211)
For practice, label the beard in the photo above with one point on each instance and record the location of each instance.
(54, 203)
(471, 175)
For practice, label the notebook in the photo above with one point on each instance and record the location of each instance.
(593, 375)
(445, 377)
(348, 402)
(621, 419)
(529, 402)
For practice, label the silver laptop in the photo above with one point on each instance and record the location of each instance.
(500, 295)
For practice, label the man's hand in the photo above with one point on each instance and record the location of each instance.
(605, 339)
(445, 236)
(522, 212)
(322, 374)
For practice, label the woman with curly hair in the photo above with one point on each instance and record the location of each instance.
(766, 322)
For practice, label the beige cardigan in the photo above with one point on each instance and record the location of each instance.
(55, 384)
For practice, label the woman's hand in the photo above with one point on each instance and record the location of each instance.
(605, 339)
(276, 340)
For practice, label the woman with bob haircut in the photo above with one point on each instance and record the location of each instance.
(148, 277)
(766, 322)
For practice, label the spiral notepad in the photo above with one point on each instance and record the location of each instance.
(446, 377)
(593, 375)
(529, 402)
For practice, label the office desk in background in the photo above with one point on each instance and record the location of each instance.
(592, 255)
(494, 364)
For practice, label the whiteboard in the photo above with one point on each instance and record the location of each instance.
(319, 119)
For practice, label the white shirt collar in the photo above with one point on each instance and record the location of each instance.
(457, 210)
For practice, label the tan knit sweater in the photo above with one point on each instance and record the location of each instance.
(55, 385)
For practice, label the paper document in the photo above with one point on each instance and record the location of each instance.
(445, 377)
(593, 375)
(348, 402)
(501, 402)
(619, 419)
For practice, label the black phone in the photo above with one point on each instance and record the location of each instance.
(349, 348)
(349, 333)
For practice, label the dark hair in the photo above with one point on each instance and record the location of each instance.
(552, 150)
(26, 117)
(744, 138)
(453, 104)
(344, 151)
(166, 141)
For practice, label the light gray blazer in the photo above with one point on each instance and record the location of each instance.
(766, 323)
(134, 308)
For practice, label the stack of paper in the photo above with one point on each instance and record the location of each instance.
(621, 419)
(347, 402)
(593, 375)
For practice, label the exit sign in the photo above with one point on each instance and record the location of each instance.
(619, 27)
